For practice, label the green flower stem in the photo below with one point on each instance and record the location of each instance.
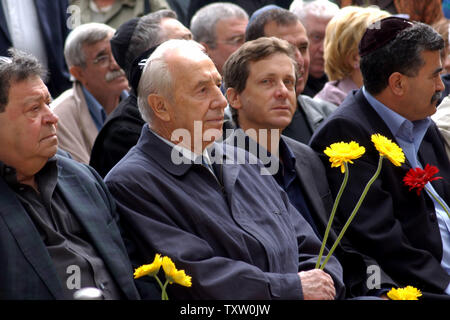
(160, 284)
(355, 210)
(439, 201)
(164, 295)
(333, 212)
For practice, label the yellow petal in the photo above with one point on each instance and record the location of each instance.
(149, 269)
(407, 293)
(343, 152)
(388, 149)
(174, 275)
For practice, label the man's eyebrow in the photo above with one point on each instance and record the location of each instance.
(36, 98)
(101, 53)
(438, 70)
(204, 82)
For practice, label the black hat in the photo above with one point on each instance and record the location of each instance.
(137, 66)
(120, 42)
(380, 33)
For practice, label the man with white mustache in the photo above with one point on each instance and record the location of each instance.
(99, 86)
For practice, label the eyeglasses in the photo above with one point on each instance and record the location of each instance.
(104, 60)
(234, 41)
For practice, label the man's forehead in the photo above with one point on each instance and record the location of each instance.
(272, 28)
(36, 90)
(95, 47)
(269, 66)
(174, 29)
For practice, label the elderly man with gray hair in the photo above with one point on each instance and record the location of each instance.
(58, 224)
(221, 219)
(220, 28)
(315, 16)
(98, 87)
(132, 42)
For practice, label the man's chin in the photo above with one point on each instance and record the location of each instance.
(50, 151)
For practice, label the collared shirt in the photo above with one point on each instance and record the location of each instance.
(76, 262)
(188, 154)
(24, 28)
(96, 110)
(283, 171)
(288, 179)
(409, 135)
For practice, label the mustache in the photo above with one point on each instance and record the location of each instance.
(436, 97)
(112, 75)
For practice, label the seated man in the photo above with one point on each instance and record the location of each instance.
(406, 233)
(315, 16)
(224, 222)
(99, 85)
(283, 24)
(260, 82)
(220, 28)
(132, 40)
(58, 228)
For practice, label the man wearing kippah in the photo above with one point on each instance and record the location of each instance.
(405, 231)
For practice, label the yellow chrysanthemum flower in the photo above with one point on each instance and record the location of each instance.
(406, 293)
(341, 152)
(388, 149)
(174, 275)
(149, 269)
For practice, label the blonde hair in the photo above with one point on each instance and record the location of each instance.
(342, 36)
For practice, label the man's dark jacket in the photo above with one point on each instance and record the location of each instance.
(118, 135)
(395, 226)
(53, 19)
(26, 271)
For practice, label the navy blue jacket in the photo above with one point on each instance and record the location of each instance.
(234, 232)
(394, 226)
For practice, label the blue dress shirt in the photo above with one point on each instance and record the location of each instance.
(96, 110)
(287, 179)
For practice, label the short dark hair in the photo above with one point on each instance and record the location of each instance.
(403, 54)
(236, 68)
(148, 33)
(18, 67)
(255, 27)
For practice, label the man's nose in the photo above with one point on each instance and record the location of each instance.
(299, 58)
(113, 65)
(50, 117)
(439, 84)
(220, 101)
(281, 90)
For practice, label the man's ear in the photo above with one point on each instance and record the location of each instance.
(159, 106)
(205, 45)
(78, 73)
(234, 99)
(397, 83)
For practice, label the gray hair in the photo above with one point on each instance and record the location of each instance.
(85, 34)
(156, 76)
(316, 8)
(18, 67)
(147, 34)
(203, 23)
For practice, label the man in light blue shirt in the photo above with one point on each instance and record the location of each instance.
(99, 86)
(407, 234)
(409, 136)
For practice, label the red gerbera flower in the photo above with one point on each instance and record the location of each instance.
(418, 178)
